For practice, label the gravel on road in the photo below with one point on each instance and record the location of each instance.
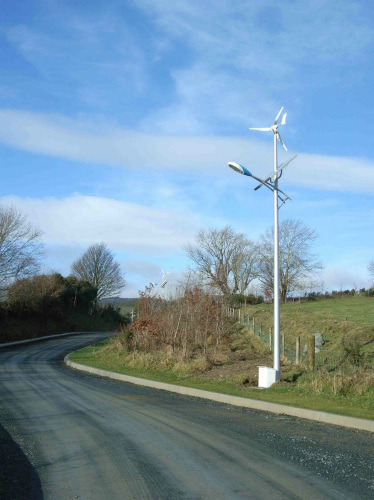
(76, 435)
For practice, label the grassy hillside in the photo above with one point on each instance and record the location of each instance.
(348, 319)
(125, 304)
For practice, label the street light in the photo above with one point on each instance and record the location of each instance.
(268, 376)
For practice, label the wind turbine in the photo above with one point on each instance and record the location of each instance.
(163, 279)
(274, 127)
(271, 182)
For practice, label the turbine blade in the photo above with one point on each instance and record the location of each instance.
(266, 129)
(283, 122)
(278, 115)
(280, 140)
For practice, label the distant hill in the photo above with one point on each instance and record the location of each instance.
(125, 304)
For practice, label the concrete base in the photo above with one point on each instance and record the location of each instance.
(266, 376)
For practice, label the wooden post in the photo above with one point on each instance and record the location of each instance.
(311, 353)
(283, 346)
(297, 361)
(217, 327)
(239, 314)
(270, 337)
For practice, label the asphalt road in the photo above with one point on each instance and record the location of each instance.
(67, 435)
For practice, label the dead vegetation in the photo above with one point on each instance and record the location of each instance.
(194, 336)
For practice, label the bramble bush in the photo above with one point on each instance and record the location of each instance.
(193, 322)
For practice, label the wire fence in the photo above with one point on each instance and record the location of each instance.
(333, 361)
(327, 360)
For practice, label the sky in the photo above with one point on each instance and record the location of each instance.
(118, 118)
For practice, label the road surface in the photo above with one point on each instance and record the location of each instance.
(66, 434)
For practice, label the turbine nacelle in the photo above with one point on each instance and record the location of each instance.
(274, 127)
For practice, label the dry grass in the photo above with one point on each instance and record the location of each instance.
(235, 362)
(348, 392)
(344, 382)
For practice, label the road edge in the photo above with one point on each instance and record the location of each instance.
(46, 337)
(254, 404)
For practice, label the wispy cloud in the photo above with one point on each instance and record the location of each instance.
(288, 29)
(78, 141)
(186, 75)
(248, 56)
(75, 50)
(82, 220)
(339, 278)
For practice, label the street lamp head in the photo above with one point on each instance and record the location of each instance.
(239, 168)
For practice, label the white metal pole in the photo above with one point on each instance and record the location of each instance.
(276, 364)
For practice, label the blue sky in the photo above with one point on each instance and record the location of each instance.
(118, 118)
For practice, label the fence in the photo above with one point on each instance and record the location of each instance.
(266, 334)
(332, 361)
(328, 360)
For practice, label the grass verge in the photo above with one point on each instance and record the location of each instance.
(287, 393)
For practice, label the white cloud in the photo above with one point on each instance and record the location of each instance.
(83, 220)
(340, 278)
(142, 268)
(79, 141)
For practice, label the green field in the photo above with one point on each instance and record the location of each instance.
(125, 305)
(357, 309)
(349, 318)
(125, 309)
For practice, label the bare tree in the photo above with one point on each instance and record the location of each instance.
(371, 269)
(21, 250)
(225, 260)
(98, 267)
(296, 262)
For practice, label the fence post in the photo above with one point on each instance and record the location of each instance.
(283, 346)
(270, 336)
(297, 361)
(239, 314)
(311, 353)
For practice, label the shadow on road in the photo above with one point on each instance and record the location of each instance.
(18, 478)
